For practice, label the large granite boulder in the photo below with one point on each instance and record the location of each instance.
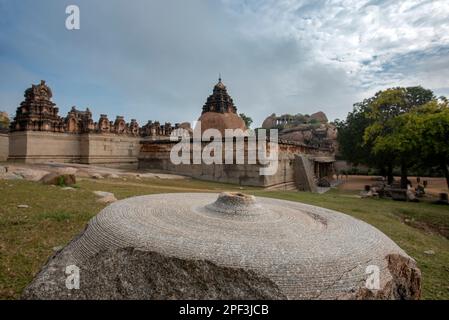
(319, 116)
(195, 246)
(59, 179)
(131, 273)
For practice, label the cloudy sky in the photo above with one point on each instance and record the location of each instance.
(158, 60)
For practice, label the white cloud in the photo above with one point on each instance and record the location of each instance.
(359, 37)
(159, 59)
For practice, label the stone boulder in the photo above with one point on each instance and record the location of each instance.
(105, 197)
(30, 174)
(10, 176)
(96, 176)
(67, 170)
(130, 273)
(269, 122)
(59, 179)
(319, 116)
(324, 183)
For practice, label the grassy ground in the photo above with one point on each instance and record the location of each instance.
(28, 236)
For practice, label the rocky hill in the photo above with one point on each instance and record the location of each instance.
(314, 130)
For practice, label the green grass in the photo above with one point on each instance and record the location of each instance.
(55, 216)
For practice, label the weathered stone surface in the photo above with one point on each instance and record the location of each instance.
(29, 174)
(68, 189)
(67, 170)
(10, 176)
(96, 176)
(59, 179)
(405, 282)
(135, 274)
(181, 246)
(105, 197)
(319, 116)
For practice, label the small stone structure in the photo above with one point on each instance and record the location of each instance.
(228, 246)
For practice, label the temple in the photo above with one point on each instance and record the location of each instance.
(219, 112)
(38, 134)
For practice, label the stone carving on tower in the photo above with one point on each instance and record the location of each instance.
(134, 129)
(220, 113)
(37, 112)
(120, 126)
(103, 126)
(219, 100)
(79, 121)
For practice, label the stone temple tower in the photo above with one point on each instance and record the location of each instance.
(219, 100)
(219, 111)
(37, 112)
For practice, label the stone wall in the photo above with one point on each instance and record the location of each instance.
(109, 149)
(105, 149)
(39, 146)
(155, 155)
(4, 146)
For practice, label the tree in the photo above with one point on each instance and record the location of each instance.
(427, 130)
(4, 120)
(248, 120)
(352, 146)
(418, 96)
(388, 133)
(364, 137)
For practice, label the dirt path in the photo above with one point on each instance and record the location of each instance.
(357, 183)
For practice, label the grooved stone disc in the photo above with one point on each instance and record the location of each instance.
(307, 251)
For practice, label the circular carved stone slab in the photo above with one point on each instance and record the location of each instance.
(307, 252)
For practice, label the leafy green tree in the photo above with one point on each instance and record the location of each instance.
(388, 133)
(4, 120)
(363, 136)
(248, 120)
(418, 96)
(426, 131)
(352, 146)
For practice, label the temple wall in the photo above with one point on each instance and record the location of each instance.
(156, 156)
(104, 149)
(109, 149)
(4, 146)
(38, 146)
